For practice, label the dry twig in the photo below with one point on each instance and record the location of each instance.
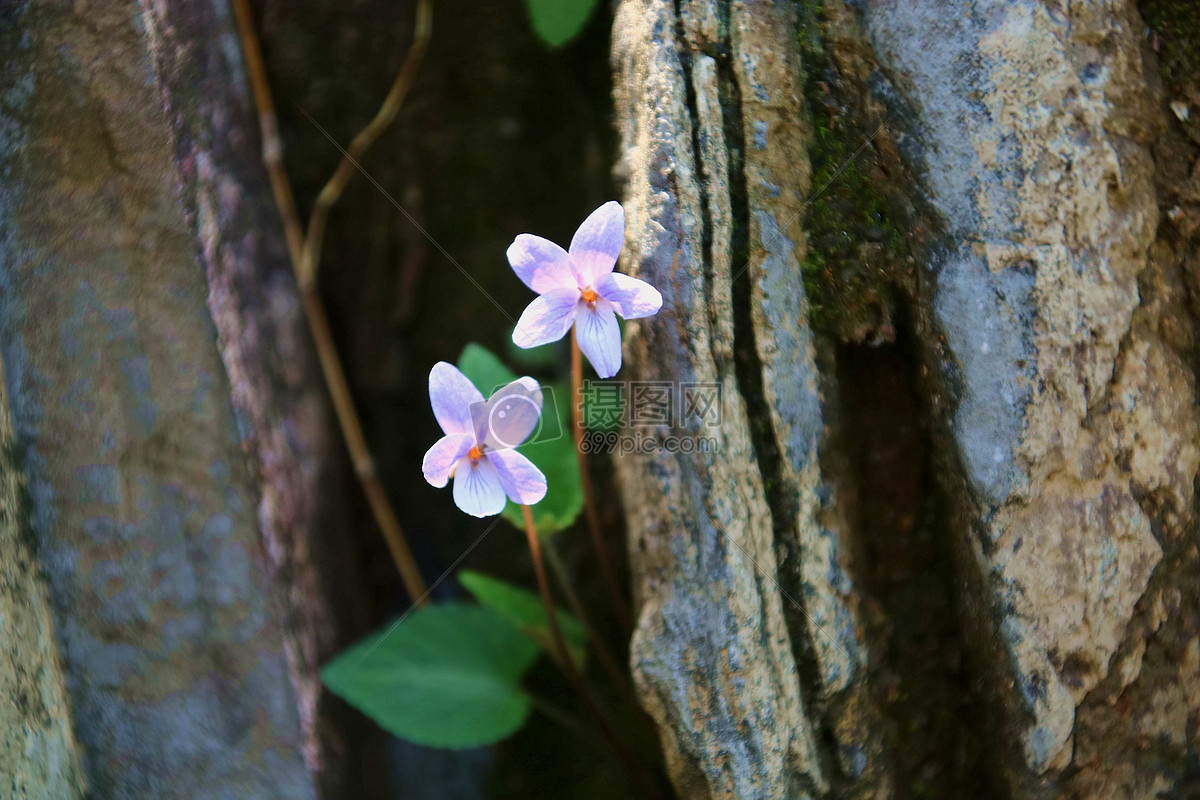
(305, 255)
(589, 499)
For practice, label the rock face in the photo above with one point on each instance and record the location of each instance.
(39, 757)
(712, 120)
(828, 194)
(1038, 161)
(158, 422)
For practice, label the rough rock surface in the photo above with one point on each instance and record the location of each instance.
(699, 88)
(161, 565)
(38, 754)
(1053, 333)
(1037, 159)
(277, 390)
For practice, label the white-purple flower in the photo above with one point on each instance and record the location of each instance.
(477, 448)
(580, 287)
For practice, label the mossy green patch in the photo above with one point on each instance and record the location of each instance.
(1176, 39)
(1176, 23)
(856, 222)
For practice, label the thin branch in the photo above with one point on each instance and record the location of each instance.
(272, 152)
(359, 144)
(589, 498)
(564, 718)
(607, 660)
(314, 309)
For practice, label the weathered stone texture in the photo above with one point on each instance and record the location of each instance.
(1060, 375)
(1033, 126)
(39, 759)
(142, 505)
(713, 653)
(277, 390)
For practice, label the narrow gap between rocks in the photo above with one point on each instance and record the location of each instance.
(919, 670)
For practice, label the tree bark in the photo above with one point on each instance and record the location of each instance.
(167, 422)
(942, 262)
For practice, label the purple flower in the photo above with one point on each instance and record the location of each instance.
(477, 448)
(580, 287)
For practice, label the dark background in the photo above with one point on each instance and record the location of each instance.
(499, 135)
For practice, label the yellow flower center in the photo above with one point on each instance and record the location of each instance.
(475, 453)
(589, 296)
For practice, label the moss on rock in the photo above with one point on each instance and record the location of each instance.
(859, 226)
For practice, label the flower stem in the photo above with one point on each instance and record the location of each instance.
(564, 656)
(589, 499)
(608, 661)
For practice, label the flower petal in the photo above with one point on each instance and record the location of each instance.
(597, 243)
(513, 413)
(522, 481)
(633, 298)
(540, 263)
(452, 394)
(600, 338)
(477, 489)
(547, 318)
(440, 459)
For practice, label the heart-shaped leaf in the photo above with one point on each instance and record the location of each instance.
(524, 610)
(445, 676)
(557, 22)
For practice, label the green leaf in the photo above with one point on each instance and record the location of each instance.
(557, 22)
(446, 676)
(484, 369)
(552, 449)
(525, 610)
(545, 355)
